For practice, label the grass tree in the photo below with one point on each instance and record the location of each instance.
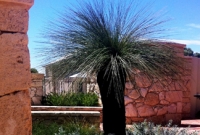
(111, 40)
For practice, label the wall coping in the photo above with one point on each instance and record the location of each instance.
(27, 3)
(37, 76)
(66, 108)
(66, 113)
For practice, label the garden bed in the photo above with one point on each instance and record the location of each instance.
(61, 114)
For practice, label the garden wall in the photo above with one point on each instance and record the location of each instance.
(195, 102)
(156, 103)
(15, 109)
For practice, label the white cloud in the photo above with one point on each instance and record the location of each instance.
(187, 42)
(194, 25)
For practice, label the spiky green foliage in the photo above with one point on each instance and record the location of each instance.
(148, 128)
(113, 36)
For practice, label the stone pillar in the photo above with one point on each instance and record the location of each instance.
(15, 108)
(36, 89)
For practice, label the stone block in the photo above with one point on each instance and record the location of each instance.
(13, 19)
(129, 85)
(143, 92)
(172, 108)
(164, 102)
(36, 83)
(15, 114)
(162, 110)
(186, 100)
(37, 100)
(134, 94)
(127, 100)
(179, 107)
(186, 107)
(142, 80)
(151, 99)
(186, 94)
(145, 111)
(15, 63)
(162, 95)
(39, 92)
(156, 87)
(131, 111)
(174, 96)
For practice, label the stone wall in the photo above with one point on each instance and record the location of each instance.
(36, 89)
(195, 102)
(156, 103)
(15, 114)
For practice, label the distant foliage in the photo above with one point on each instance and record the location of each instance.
(34, 70)
(72, 99)
(189, 52)
(148, 128)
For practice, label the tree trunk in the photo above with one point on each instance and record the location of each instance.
(114, 120)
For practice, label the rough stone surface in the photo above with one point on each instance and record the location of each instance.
(162, 110)
(151, 99)
(186, 107)
(15, 114)
(129, 85)
(179, 107)
(15, 63)
(36, 100)
(164, 102)
(142, 81)
(127, 100)
(162, 95)
(156, 87)
(131, 111)
(143, 92)
(145, 111)
(174, 96)
(172, 108)
(171, 86)
(13, 19)
(134, 94)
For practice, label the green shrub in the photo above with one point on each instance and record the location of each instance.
(34, 70)
(148, 128)
(72, 99)
(70, 128)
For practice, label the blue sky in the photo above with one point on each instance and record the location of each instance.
(184, 21)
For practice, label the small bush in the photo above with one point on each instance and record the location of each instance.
(72, 99)
(148, 128)
(34, 70)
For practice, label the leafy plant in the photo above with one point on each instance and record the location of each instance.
(72, 99)
(148, 128)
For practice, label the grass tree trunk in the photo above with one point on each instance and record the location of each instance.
(114, 120)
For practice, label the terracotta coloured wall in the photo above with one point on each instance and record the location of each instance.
(156, 103)
(195, 103)
(15, 111)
